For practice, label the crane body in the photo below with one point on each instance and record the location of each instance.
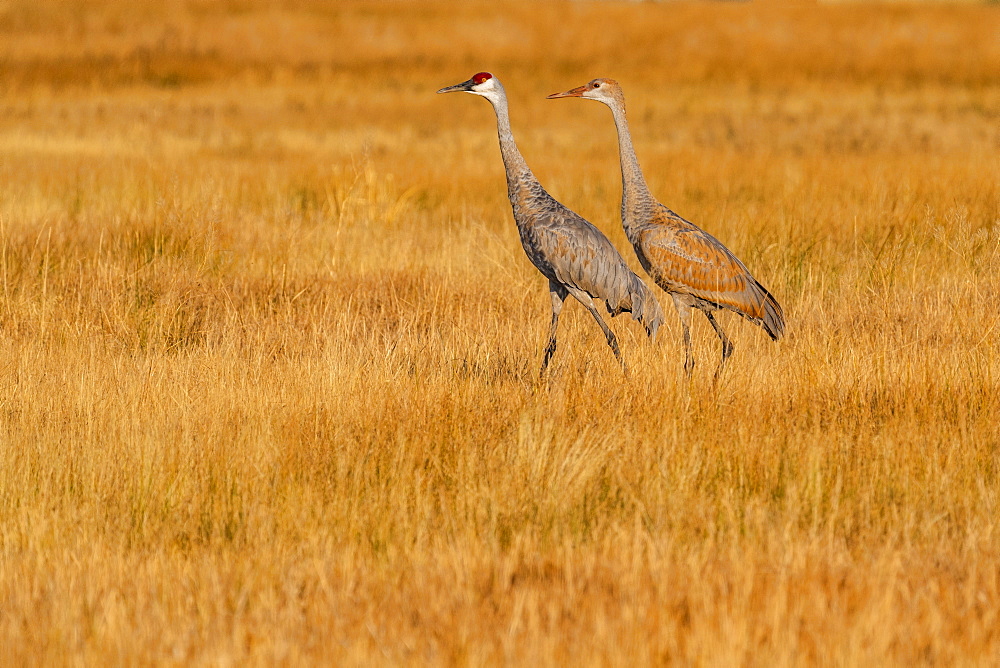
(575, 257)
(691, 265)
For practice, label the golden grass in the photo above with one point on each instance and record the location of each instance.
(269, 344)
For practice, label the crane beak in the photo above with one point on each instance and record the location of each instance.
(576, 92)
(465, 86)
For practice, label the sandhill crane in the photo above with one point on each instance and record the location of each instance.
(574, 255)
(686, 261)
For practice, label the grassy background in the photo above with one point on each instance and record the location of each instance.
(269, 344)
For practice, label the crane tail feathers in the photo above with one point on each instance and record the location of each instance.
(642, 304)
(651, 316)
(773, 320)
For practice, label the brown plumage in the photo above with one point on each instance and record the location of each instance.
(689, 263)
(574, 255)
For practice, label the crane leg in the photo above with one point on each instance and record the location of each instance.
(585, 299)
(684, 311)
(558, 294)
(727, 345)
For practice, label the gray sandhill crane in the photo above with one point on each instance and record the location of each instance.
(686, 261)
(574, 255)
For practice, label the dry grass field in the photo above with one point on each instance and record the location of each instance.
(269, 343)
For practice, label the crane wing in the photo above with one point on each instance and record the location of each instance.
(581, 256)
(685, 259)
(568, 249)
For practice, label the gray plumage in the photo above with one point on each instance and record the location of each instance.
(574, 255)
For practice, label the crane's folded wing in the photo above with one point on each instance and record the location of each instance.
(582, 257)
(688, 260)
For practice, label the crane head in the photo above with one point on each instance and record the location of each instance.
(483, 83)
(607, 91)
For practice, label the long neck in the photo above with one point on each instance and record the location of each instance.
(635, 193)
(513, 161)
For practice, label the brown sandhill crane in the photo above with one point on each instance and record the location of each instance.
(686, 261)
(574, 255)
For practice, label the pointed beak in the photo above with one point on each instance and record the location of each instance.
(576, 92)
(464, 86)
